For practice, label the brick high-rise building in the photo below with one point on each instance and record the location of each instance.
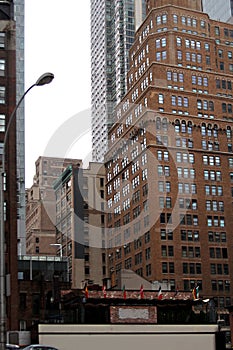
(7, 104)
(170, 162)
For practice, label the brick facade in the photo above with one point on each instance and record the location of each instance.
(8, 101)
(169, 164)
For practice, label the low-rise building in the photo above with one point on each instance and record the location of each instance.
(41, 206)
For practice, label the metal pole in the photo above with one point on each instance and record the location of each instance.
(44, 79)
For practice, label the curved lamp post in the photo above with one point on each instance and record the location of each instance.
(44, 79)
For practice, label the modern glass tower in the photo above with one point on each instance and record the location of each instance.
(219, 10)
(113, 24)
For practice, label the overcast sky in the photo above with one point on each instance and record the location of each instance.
(57, 40)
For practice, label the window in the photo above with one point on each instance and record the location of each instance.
(175, 19)
(163, 42)
(183, 20)
(2, 122)
(158, 56)
(2, 67)
(161, 99)
(220, 53)
(221, 65)
(178, 41)
(2, 40)
(101, 182)
(164, 19)
(179, 55)
(2, 94)
(217, 30)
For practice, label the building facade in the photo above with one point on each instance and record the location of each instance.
(40, 230)
(113, 25)
(219, 10)
(41, 206)
(169, 164)
(80, 222)
(7, 104)
(20, 125)
(41, 280)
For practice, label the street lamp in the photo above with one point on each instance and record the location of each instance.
(57, 245)
(45, 78)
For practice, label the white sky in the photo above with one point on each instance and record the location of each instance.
(57, 40)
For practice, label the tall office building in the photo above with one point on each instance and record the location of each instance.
(80, 222)
(219, 10)
(20, 125)
(113, 25)
(169, 164)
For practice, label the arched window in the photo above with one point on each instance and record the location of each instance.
(183, 126)
(203, 129)
(177, 125)
(229, 132)
(165, 124)
(209, 130)
(190, 127)
(215, 130)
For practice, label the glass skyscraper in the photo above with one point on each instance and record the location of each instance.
(219, 10)
(113, 25)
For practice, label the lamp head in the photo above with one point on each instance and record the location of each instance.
(44, 79)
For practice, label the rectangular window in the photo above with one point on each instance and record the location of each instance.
(163, 42)
(158, 56)
(217, 31)
(161, 99)
(178, 41)
(157, 43)
(2, 67)
(2, 94)
(175, 19)
(179, 55)
(169, 75)
(221, 65)
(2, 40)
(2, 122)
